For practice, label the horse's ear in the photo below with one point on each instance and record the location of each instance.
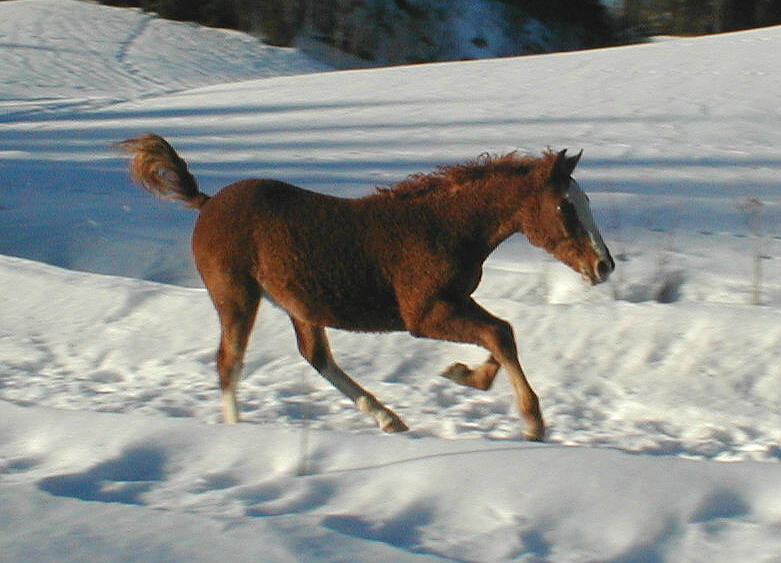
(565, 165)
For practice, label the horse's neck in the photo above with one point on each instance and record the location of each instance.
(497, 209)
(480, 214)
(481, 217)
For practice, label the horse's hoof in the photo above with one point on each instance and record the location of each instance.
(536, 434)
(458, 373)
(395, 425)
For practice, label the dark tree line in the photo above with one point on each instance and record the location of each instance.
(277, 20)
(590, 15)
(588, 21)
(697, 16)
(280, 20)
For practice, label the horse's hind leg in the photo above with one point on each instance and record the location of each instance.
(237, 306)
(313, 344)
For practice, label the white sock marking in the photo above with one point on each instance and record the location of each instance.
(230, 407)
(380, 413)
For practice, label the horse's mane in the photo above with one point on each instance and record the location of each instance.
(452, 178)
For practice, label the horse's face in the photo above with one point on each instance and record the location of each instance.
(565, 227)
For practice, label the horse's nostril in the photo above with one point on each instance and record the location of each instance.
(604, 268)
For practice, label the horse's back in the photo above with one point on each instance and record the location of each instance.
(258, 197)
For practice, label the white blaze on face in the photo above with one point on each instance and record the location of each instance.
(579, 201)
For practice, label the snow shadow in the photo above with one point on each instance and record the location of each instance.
(405, 531)
(121, 480)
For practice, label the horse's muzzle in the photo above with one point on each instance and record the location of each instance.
(599, 272)
(605, 268)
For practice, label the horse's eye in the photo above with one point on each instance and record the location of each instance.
(569, 216)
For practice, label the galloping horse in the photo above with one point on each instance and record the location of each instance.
(406, 257)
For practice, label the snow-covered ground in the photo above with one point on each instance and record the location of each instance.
(649, 383)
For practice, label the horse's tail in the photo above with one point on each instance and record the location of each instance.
(156, 167)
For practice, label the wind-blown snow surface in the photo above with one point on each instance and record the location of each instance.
(107, 385)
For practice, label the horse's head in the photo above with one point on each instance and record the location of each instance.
(559, 220)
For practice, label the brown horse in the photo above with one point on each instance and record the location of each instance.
(404, 258)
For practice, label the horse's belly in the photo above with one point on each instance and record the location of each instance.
(368, 320)
(338, 308)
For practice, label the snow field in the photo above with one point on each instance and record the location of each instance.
(184, 491)
(656, 387)
(649, 383)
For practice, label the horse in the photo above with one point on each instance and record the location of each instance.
(404, 258)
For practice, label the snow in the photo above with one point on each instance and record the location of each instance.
(178, 490)
(60, 53)
(661, 387)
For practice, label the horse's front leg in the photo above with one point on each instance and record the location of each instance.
(467, 322)
(482, 377)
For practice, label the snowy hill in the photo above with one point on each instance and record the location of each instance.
(649, 383)
(57, 52)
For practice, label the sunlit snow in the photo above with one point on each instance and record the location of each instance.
(109, 447)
